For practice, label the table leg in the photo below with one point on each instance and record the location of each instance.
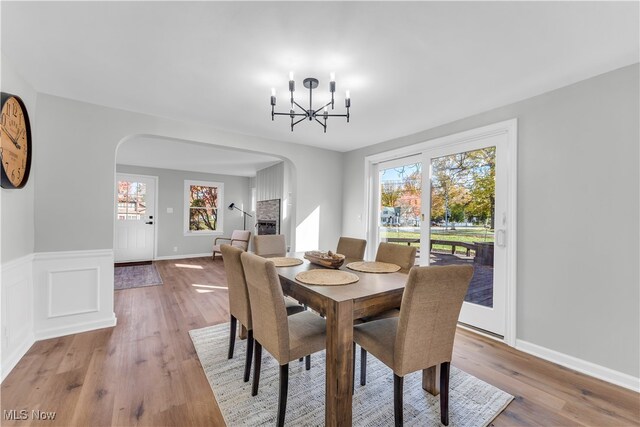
(243, 333)
(431, 379)
(339, 363)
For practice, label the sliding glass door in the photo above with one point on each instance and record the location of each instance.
(466, 206)
(450, 200)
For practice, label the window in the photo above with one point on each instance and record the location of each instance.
(132, 203)
(202, 213)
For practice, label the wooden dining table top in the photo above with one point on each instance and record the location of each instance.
(373, 293)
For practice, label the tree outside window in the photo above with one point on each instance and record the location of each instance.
(203, 214)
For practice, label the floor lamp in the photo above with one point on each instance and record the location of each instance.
(233, 206)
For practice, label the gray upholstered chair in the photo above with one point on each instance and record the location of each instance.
(404, 256)
(285, 338)
(423, 335)
(352, 249)
(270, 244)
(239, 306)
(239, 239)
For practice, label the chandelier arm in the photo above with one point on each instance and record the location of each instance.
(336, 115)
(289, 114)
(300, 107)
(295, 123)
(322, 124)
(326, 105)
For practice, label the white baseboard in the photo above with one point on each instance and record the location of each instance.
(76, 328)
(12, 360)
(185, 256)
(589, 368)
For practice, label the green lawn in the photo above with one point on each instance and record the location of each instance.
(466, 234)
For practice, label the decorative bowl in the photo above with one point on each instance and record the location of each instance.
(325, 259)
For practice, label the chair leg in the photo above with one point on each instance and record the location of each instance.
(397, 399)
(247, 363)
(363, 366)
(232, 336)
(282, 398)
(445, 369)
(257, 361)
(307, 361)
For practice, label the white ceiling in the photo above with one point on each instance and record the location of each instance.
(410, 66)
(191, 156)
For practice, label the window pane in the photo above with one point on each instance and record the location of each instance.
(203, 197)
(131, 200)
(462, 217)
(201, 219)
(137, 199)
(123, 199)
(401, 204)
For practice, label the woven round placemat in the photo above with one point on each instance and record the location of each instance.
(324, 277)
(373, 267)
(283, 261)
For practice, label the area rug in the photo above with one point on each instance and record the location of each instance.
(472, 401)
(136, 276)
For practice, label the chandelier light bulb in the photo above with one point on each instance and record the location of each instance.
(290, 75)
(273, 91)
(332, 77)
(348, 95)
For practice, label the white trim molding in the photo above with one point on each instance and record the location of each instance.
(589, 368)
(16, 279)
(185, 256)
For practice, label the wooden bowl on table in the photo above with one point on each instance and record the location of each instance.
(325, 259)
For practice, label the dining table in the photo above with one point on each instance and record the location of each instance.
(340, 305)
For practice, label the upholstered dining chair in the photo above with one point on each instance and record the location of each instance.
(351, 248)
(239, 306)
(270, 244)
(239, 239)
(404, 256)
(422, 336)
(285, 338)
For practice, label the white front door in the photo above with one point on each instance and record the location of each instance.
(135, 218)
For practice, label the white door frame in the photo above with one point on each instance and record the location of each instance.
(508, 127)
(155, 208)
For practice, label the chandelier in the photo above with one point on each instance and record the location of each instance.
(321, 114)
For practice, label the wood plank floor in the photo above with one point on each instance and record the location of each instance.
(144, 372)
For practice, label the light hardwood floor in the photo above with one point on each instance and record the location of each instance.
(145, 371)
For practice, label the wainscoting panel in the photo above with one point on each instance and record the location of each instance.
(17, 311)
(73, 292)
(82, 284)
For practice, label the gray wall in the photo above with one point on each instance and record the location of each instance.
(578, 215)
(16, 206)
(171, 195)
(77, 156)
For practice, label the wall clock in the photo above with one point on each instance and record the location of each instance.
(15, 142)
